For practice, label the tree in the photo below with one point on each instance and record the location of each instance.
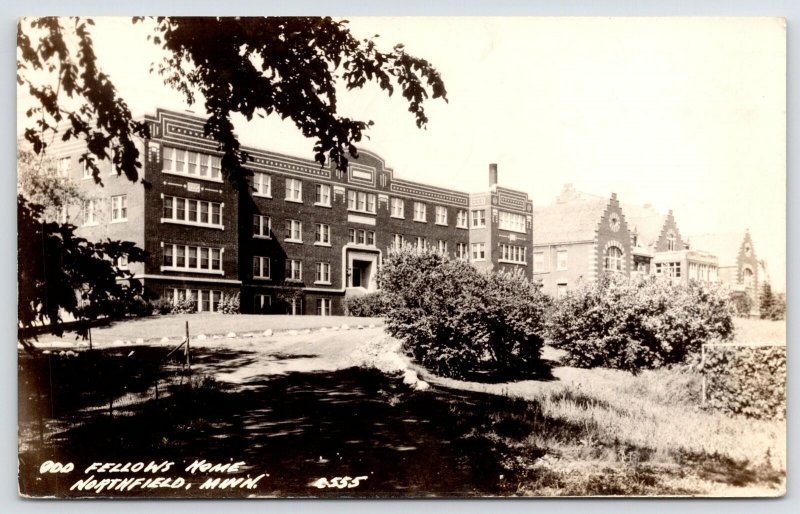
(772, 306)
(60, 273)
(39, 182)
(291, 67)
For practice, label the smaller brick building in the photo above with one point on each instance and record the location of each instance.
(578, 238)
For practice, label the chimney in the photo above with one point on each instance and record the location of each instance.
(492, 175)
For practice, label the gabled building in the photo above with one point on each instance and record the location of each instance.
(660, 250)
(738, 264)
(578, 238)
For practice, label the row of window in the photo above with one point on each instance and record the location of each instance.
(612, 260)
(262, 269)
(263, 303)
(195, 212)
(192, 164)
(205, 300)
(198, 259)
(512, 253)
(91, 207)
(669, 269)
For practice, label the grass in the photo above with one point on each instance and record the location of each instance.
(214, 323)
(760, 331)
(606, 432)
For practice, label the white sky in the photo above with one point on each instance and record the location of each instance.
(687, 114)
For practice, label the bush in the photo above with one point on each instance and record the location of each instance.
(456, 320)
(229, 304)
(365, 306)
(638, 324)
(186, 306)
(747, 380)
(162, 306)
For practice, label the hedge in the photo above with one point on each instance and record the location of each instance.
(746, 380)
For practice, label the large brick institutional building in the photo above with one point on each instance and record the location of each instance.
(301, 238)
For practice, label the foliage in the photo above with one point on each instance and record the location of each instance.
(366, 306)
(456, 320)
(288, 66)
(638, 324)
(40, 183)
(747, 380)
(742, 304)
(772, 306)
(185, 306)
(60, 273)
(229, 304)
(162, 306)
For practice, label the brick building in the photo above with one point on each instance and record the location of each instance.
(659, 249)
(738, 264)
(300, 238)
(578, 238)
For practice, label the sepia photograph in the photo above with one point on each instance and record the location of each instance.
(401, 257)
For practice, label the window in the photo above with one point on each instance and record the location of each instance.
(478, 251)
(192, 164)
(87, 171)
(323, 273)
(63, 166)
(669, 269)
(479, 218)
(261, 267)
(361, 237)
(294, 190)
(262, 226)
(294, 306)
(441, 215)
(262, 303)
(441, 246)
(420, 243)
(561, 260)
(323, 195)
(511, 253)
(119, 208)
(613, 260)
(397, 208)
(294, 231)
(294, 269)
(462, 219)
(322, 234)
(397, 241)
(511, 221)
(461, 251)
(196, 259)
(262, 183)
(204, 300)
(561, 290)
(90, 212)
(538, 261)
(361, 201)
(122, 262)
(323, 307)
(186, 211)
(420, 212)
(671, 239)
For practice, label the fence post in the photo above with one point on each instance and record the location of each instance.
(703, 369)
(188, 362)
(90, 337)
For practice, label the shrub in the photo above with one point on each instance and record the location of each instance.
(162, 306)
(186, 306)
(639, 324)
(229, 304)
(747, 380)
(368, 305)
(456, 320)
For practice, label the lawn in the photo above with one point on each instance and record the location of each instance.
(759, 331)
(212, 323)
(325, 403)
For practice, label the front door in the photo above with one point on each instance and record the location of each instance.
(356, 276)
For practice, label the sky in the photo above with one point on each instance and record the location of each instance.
(687, 114)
